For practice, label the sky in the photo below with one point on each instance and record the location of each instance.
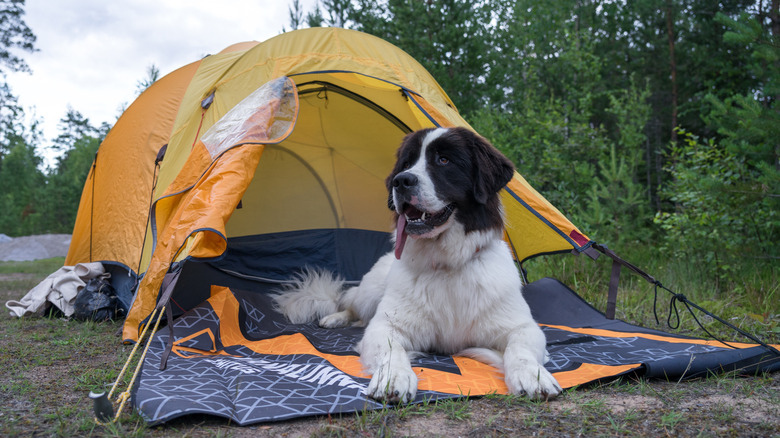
(92, 53)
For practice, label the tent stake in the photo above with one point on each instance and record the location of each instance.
(103, 406)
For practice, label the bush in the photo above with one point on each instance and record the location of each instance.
(719, 211)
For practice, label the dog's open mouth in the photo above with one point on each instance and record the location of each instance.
(418, 223)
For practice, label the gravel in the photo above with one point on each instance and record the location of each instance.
(42, 246)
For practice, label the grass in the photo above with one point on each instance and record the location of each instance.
(38, 267)
(49, 365)
(750, 300)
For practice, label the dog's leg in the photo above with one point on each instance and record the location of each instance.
(358, 304)
(524, 372)
(384, 356)
(344, 318)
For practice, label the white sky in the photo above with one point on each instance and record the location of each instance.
(92, 53)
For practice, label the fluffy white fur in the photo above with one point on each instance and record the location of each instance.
(312, 294)
(451, 292)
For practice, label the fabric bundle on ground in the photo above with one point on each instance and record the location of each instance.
(59, 289)
(235, 357)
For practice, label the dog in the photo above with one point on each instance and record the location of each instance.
(450, 285)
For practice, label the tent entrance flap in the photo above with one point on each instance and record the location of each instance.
(189, 220)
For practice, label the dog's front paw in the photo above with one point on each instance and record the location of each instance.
(532, 380)
(393, 385)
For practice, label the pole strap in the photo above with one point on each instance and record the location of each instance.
(169, 283)
(614, 282)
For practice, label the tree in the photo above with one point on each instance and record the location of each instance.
(668, 14)
(152, 75)
(23, 184)
(11, 117)
(338, 12)
(618, 204)
(65, 184)
(448, 37)
(315, 18)
(73, 127)
(296, 15)
(588, 96)
(727, 193)
(79, 141)
(14, 35)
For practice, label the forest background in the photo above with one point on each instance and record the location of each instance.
(654, 125)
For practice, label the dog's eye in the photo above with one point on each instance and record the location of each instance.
(442, 160)
(406, 165)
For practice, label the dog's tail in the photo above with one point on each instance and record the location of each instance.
(310, 296)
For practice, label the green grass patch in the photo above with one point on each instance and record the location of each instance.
(43, 267)
(749, 299)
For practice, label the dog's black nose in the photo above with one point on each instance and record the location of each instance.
(404, 180)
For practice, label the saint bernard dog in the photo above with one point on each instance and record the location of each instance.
(450, 286)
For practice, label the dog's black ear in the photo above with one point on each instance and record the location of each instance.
(491, 171)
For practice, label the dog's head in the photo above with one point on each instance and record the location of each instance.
(446, 174)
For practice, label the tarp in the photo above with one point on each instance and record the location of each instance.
(236, 358)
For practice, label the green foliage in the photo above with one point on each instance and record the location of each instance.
(554, 155)
(34, 202)
(726, 193)
(23, 185)
(580, 95)
(617, 207)
(15, 35)
(152, 75)
(296, 15)
(450, 38)
(721, 211)
(577, 93)
(65, 184)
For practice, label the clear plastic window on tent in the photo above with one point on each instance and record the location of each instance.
(265, 116)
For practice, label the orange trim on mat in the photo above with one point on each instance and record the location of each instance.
(475, 378)
(670, 339)
(589, 372)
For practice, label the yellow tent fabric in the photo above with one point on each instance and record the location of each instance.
(312, 154)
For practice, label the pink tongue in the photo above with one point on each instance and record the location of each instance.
(400, 236)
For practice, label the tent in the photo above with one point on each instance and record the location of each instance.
(335, 105)
(232, 173)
